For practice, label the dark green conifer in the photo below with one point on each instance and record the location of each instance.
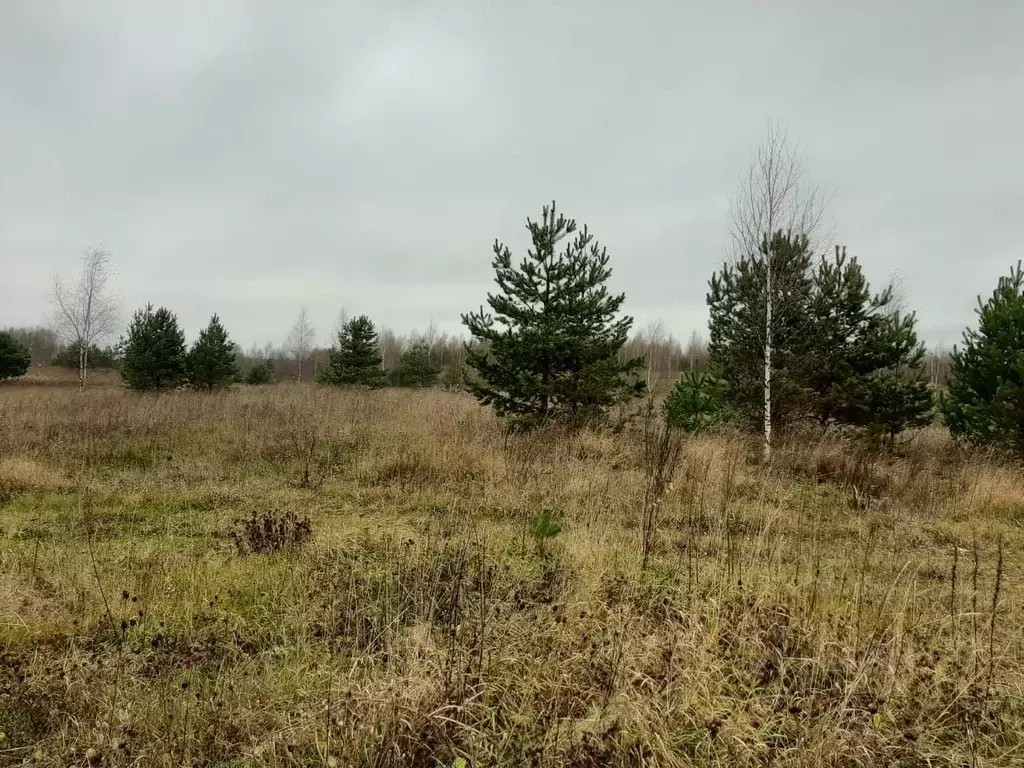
(14, 357)
(356, 359)
(985, 401)
(550, 344)
(154, 351)
(211, 361)
(415, 368)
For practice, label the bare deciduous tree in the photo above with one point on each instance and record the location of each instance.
(86, 312)
(696, 351)
(342, 322)
(655, 337)
(774, 197)
(900, 293)
(431, 338)
(391, 347)
(300, 340)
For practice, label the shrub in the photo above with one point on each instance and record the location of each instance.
(270, 531)
(543, 526)
(261, 373)
(14, 357)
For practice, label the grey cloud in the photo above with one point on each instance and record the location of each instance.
(248, 158)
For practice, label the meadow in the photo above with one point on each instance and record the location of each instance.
(462, 597)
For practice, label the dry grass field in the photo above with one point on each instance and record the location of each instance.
(837, 609)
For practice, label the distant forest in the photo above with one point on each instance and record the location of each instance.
(666, 355)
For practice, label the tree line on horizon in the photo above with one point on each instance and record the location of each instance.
(665, 356)
(797, 337)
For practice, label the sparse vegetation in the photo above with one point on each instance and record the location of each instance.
(543, 526)
(839, 607)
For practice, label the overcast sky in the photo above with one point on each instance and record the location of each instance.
(249, 158)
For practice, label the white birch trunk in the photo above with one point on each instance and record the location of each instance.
(768, 360)
(83, 364)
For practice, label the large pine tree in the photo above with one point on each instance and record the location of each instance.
(551, 345)
(154, 351)
(211, 361)
(356, 359)
(985, 402)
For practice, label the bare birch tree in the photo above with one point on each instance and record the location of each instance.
(696, 350)
(390, 346)
(300, 340)
(899, 301)
(655, 339)
(85, 312)
(342, 322)
(774, 197)
(430, 338)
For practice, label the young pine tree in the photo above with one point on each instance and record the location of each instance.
(886, 391)
(552, 343)
(761, 331)
(415, 368)
(985, 401)
(154, 351)
(14, 357)
(695, 403)
(842, 309)
(261, 373)
(356, 360)
(211, 361)
(864, 366)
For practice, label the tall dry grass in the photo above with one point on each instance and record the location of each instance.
(838, 609)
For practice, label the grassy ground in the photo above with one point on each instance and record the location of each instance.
(835, 610)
